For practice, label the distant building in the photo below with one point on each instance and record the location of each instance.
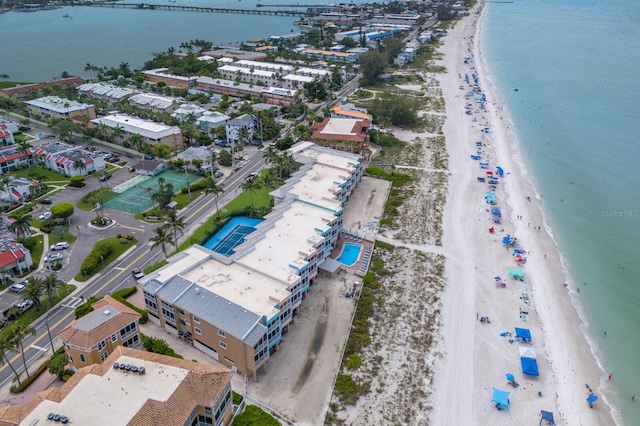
(61, 157)
(51, 107)
(105, 92)
(133, 388)
(160, 75)
(155, 103)
(22, 91)
(91, 338)
(344, 134)
(272, 95)
(186, 111)
(151, 132)
(235, 54)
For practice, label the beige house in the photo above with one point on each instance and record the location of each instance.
(90, 339)
(154, 390)
(122, 127)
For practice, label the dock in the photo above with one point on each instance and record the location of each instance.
(183, 8)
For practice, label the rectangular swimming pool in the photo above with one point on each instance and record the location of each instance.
(350, 253)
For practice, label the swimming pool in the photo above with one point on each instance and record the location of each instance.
(350, 253)
(231, 235)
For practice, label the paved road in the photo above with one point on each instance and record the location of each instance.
(118, 275)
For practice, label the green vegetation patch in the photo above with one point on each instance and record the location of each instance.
(104, 252)
(255, 416)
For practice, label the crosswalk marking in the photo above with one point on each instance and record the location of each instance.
(74, 302)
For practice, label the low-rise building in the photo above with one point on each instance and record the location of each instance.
(149, 167)
(211, 120)
(272, 95)
(237, 126)
(161, 75)
(349, 111)
(6, 136)
(155, 103)
(344, 134)
(235, 305)
(20, 92)
(18, 190)
(51, 107)
(122, 126)
(91, 338)
(235, 54)
(105, 92)
(133, 388)
(187, 112)
(205, 156)
(10, 126)
(62, 158)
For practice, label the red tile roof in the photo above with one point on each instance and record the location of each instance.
(10, 257)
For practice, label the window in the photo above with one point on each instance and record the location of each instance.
(101, 345)
(197, 331)
(131, 328)
(207, 411)
(168, 312)
(114, 338)
(196, 319)
(104, 356)
(223, 345)
(82, 358)
(222, 333)
(70, 358)
(132, 342)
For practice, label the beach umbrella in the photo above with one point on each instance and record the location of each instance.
(592, 398)
(506, 239)
(510, 377)
(499, 170)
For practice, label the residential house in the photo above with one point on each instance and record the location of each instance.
(14, 257)
(6, 136)
(211, 120)
(155, 103)
(11, 126)
(122, 127)
(234, 131)
(349, 111)
(18, 190)
(161, 75)
(52, 107)
(187, 111)
(91, 338)
(11, 159)
(201, 154)
(133, 388)
(344, 134)
(149, 167)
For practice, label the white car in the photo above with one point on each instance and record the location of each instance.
(59, 246)
(25, 306)
(53, 257)
(45, 216)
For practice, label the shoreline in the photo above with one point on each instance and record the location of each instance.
(555, 319)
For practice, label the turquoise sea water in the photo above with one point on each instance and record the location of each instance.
(576, 114)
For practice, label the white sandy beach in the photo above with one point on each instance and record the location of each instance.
(476, 356)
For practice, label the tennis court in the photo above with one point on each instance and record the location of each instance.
(232, 235)
(137, 197)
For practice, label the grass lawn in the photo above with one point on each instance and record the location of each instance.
(31, 315)
(22, 137)
(68, 237)
(112, 168)
(36, 253)
(183, 199)
(118, 249)
(41, 174)
(88, 202)
(149, 269)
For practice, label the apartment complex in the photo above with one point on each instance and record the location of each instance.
(51, 107)
(161, 75)
(133, 388)
(20, 92)
(344, 134)
(105, 92)
(236, 306)
(61, 158)
(122, 126)
(155, 103)
(91, 338)
(270, 95)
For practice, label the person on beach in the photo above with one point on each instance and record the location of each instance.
(610, 376)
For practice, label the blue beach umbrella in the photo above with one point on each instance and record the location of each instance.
(510, 377)
(506, 239)
(592, 398)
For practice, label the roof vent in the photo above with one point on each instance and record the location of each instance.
(106, 312)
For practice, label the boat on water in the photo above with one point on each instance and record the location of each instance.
(66, 15)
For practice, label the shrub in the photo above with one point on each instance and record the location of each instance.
(354, 362)
(196, 186)
(158, 346)
(237, 398)
(123, 241)
(253, 415)
(125, 292)
(346, 385)
(86, 307)
(62, 210)
(77, 181)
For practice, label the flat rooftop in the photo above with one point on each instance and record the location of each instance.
(337, 159)
(319, 187)
(116, 397)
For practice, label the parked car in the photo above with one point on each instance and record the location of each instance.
(46, 201)
(107, 156)
(137, 273)
(18, 287)
(218, 174)
(45, 216)
(53, 257)
(25, 306)
(105, 177)
(24, 128)
(60, 246)
(113, 160)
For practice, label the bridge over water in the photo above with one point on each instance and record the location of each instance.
(184, 8)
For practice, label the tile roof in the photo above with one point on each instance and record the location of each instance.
(178, 385)
(98, 325)
(10, 257)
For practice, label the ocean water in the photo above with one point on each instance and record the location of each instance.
(576, 114)
(41, 45)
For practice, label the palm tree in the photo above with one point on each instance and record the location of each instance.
(251, 185)
(215, 188)
(117, 131)
(21, 225)
(5, 185)
(270, 155)
(5, 345)
(17, 333)
(175, 223)
(80, 165)
(271, 180)
(33, 291)
(243, 135)
(50, 286)
(161, 238)
(135, 140)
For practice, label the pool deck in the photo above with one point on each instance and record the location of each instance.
(361, 265)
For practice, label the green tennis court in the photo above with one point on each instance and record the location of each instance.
(137, 198)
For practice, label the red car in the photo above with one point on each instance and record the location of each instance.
(113, 160)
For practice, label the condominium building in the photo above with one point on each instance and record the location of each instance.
(50, 107)
(105, 92)
(132, 388)
(155, 103)
(61, 158)
(345, 134)
(235, 305)
(91, 338)
(271, 95)
(186, 112)
(122, 126)
(211, 120)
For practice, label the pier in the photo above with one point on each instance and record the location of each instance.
(182, 8)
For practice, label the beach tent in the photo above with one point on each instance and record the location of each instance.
(516, 273)
(499, 171)
(546, 415)
(500, 397)
(529, 366)
(523, 333)
(495, 210)
(527, 352)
